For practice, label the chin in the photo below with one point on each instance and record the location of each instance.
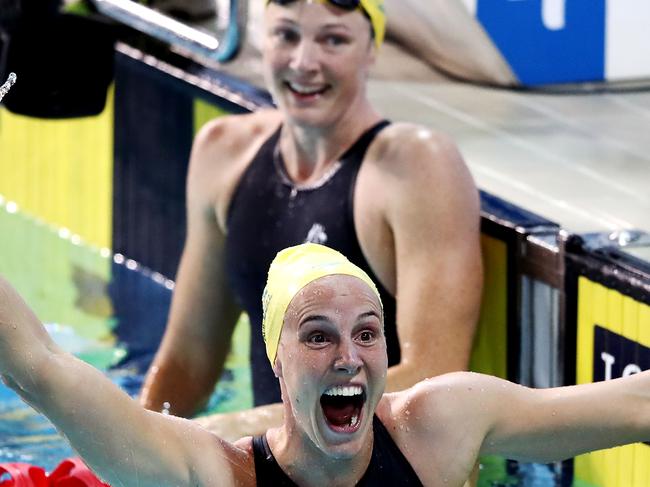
(343, 446)
(345, 451)
(309, 118)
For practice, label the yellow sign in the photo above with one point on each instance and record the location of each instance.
(613, 341)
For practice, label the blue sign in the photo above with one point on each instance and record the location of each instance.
(571, 50)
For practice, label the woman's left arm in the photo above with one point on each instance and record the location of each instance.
(546, 425)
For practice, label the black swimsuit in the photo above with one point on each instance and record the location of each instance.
(388, 466)
(269, 213)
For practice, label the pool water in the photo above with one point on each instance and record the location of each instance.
(106, 309)
(111, 312)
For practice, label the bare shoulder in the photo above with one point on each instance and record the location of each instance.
(215, 461)
(446, 398)
(410, 160)
(221, 151)
(436, 427)
(245, 444)
(222, 141)
(414, 187)
(413, 149)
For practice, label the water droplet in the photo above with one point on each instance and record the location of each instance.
(166, 408)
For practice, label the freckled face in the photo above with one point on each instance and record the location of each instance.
(316, 60)
(332, 362)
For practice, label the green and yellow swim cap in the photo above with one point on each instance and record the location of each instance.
(374, 9)
(291, 270)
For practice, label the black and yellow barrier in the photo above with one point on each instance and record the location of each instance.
(506, 230)
(608, 315)
(61, 170)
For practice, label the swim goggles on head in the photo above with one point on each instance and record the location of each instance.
(373, 9)
(344, 4)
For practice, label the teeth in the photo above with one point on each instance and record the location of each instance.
(353, 420)
(304, 90)
(344, 391)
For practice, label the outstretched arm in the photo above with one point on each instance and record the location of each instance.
(122, 442)
(546, 425)
(493, 416)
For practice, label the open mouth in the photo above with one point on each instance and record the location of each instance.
(306, 92)
(343, 407)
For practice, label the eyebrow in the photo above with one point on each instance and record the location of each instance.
(311, 318)
(323, 318)
(286, 20)
(335, 25)
(369, 314)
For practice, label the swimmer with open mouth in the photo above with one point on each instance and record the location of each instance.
(324, 315)
(323, 330)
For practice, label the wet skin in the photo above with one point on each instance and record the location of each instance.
(332, 336)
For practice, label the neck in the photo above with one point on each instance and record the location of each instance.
(307, 465)
(308, 151)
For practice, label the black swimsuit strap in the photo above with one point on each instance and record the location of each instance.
(267, 469)
(362, 143)
(388, 465)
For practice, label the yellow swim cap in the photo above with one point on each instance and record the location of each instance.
(374, 9)
(291, 270)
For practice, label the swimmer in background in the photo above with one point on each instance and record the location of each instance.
(323, 327)
(324, 167)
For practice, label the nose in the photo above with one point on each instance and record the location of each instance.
(348, 360)
(305, 57)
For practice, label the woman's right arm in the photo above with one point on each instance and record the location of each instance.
(203, 312)
(122, 442)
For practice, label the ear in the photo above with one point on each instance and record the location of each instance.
(372, 58)
(372, 50)
(277, 367)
